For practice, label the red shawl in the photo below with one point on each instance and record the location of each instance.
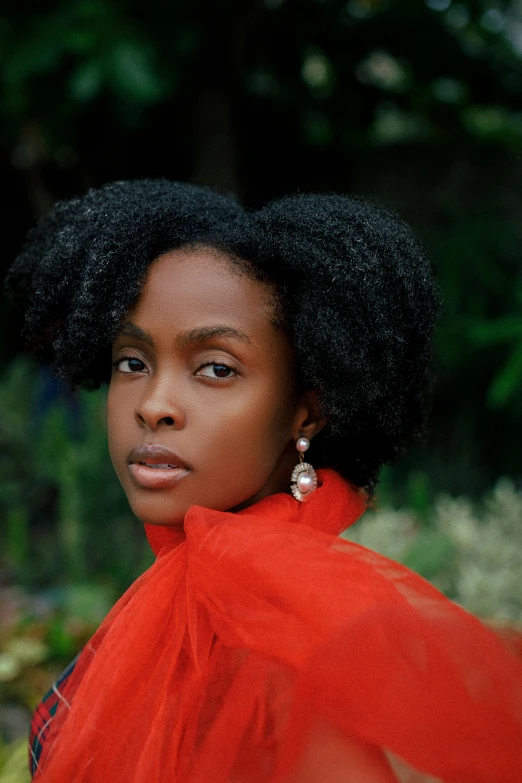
(261, 647)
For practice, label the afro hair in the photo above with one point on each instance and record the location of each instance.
(355, 293)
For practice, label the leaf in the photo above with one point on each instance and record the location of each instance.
(419, 494)
(15, 769)
(81, 41)
(59, 640)
(38, 50)
(508, 381)
(86, 81)
(492, 332)
(132, 73)
(430, 554)
(10, 667)
(27, 650)
(88, 602)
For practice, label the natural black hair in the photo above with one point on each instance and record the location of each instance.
(354, 290)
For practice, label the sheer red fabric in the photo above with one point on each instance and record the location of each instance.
(260, 647)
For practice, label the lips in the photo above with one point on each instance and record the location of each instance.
(159, 467)
(153, 466)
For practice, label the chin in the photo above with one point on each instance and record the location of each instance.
(153, 511)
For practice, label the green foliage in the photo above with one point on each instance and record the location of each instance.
(63, 516)
(67, 538)
(506, 386)
(89, 48)
(137, 56)
(41, 633)
(13, 763)
(478, 397)
(430, 554)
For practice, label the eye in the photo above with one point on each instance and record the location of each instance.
(129, 364)
(216, 370)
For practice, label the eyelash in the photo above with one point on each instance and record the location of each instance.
(218, 364)
(117, 362)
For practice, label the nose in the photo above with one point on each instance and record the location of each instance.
(158, 407)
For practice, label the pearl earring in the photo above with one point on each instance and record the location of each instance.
(304, 477)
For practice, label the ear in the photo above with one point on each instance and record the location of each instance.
(308, 418)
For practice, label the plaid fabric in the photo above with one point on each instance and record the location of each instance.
(43, 716)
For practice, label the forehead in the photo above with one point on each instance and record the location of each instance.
(190, 287)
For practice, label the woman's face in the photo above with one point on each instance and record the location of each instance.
(202, 407)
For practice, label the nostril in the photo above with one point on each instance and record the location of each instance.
(153, 419)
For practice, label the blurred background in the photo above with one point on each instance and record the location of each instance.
(415, 103)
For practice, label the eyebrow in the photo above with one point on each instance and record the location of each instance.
(131, 330)
(200, 334)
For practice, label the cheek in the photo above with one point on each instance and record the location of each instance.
(117, 424)
(255, 431)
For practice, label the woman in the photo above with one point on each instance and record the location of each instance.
(259, 646)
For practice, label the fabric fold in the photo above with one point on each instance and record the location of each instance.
(260, 647)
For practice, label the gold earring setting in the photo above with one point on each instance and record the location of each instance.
(304, 477)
